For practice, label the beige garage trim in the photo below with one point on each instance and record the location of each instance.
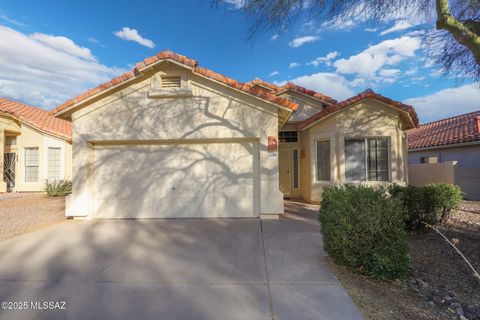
(179, 179)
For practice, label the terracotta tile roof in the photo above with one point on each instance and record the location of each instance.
(260, 82)
(38, 118)
(367, 94)
(458, 129)
(193, 64)
(293, 86)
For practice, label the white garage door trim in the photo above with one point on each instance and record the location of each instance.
(187, 178)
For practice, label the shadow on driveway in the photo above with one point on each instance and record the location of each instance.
(173, 269)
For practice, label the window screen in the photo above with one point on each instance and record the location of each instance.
(323, 160)
(366, 159)
(355, 159)
(295, 168)
(377, 159)
(31, 164)
(54, 163)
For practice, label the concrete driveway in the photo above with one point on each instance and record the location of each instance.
(173, 269)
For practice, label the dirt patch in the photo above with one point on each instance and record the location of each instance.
(22, 213)
(441, 287)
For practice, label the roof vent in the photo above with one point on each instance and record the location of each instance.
(171, 82)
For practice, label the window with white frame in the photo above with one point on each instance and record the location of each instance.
(366, 159)
(295, 163)
(54, 163)
(31, 164)
(323, 160)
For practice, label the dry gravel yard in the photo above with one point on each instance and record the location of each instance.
(441, 287)
(21, 213)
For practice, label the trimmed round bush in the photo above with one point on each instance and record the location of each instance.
(363, 229)
(430, 204)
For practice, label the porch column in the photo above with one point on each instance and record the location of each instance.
(3, 184)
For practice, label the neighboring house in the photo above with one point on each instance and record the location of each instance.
(447, 151)
(173, 139)
(34, 147)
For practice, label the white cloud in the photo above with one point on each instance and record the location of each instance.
(389, 72)
(330, 84)
(327, 59)
(236, 3)
(132, 35)
(339, 24)
(428, 63)
(446, 103)
(273, 73)
(387, 53)
(437, 73)
(294, 65)
(371, 29)
(6, 18)
(92, 40)
(411, 71)
(398, 26)
(40, 71)
(417, 79)
(274, 37)
(64, 44)
(300, 41)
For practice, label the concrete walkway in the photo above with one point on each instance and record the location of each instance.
(174, 269)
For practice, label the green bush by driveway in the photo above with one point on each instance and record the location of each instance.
(364, 229)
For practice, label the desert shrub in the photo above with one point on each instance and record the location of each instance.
(58, 187)
(430, 204)
(363, 228)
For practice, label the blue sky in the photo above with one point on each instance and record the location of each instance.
(51, 51)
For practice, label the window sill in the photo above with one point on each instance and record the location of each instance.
(170, 93)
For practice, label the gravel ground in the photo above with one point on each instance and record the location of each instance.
(22, 213)
(441, 287)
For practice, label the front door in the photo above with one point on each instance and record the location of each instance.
(284, 166)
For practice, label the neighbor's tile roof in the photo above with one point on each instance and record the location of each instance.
(458, 129)
(37, 118)
(367, 94)
(167, 54)
(292, 86)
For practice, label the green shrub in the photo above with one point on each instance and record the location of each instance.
(430, 204)
(58, 188)
(363, 228)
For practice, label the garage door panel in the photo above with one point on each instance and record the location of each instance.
(191, 180)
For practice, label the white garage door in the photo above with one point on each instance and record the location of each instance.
(174, 181)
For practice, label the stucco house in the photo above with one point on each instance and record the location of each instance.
(173, 139)
(325, 142)
(34, 147)
(448, 151)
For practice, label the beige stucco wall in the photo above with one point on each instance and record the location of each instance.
(367, 119)
(466, 177)
(307, 106)
(214, 112)
(424, 173)
(28, 136)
